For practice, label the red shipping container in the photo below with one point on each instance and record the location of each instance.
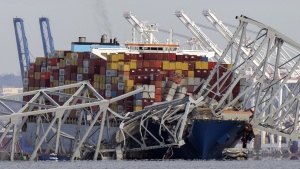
(37, 68)
(114, 87)
(185, 73)
(36, 83)
(146, 63)
(158, 64)
(172, 56)
(158, 98)
(145, 102)
(96, 61)
(103, 63)
(85, 77)
(74, 76)
(133, 72)
(31, 74)
(133, 56)
(171, 72)
(31, 82)
(158, 84)
(120, 92)
(151, 64)
(146, 79)
(157, 77)
(211, 65)
(127, 56)
(139, 57)
(140, 64)
(179, 58)
(52, 61)
(32, 65)
(146, 56)
(80, 62)
(102, 71)
(198, 58)
(191, 66)
(138, 79)
(139, 72)
(152, 70)
(165, 56)
(158, 56)
(158, 91)
(146, 71)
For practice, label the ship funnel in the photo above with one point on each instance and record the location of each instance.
(82, 39)
(104, 38)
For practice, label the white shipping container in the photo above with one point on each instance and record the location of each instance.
(171, 84)
(61, 98)
(92, 56)
(114, 73)
(181, 89)
(49, 69)
(145, 95)
(74, 55)
(138, 102)
(151, 95)
(183, 82)
(61, 78)
(61, 84)
(68, 62)
(151, 88)
(168, 97)
(86, 63)
(137, 87)
(43, 69)
(120, 108)
(108, 86)
(85, 70)
(197, 80)
(61, 72)
(164, 84)
(108, 79)
(120, 86)
(107, 93)
(179, 95)
(51, 78)
(191, 81)
(146, 88)
(79, 77)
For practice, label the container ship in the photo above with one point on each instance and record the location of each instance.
(169, 77)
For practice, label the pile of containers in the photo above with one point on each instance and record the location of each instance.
(163, 76)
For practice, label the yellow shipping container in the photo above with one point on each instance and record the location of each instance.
(112, 66)
(166, 65)
(114, 80)
(67, 82)
(96, 78)
(36, 88)
(198, 65)
(178, 66)
(69, 56)
(178, 71)
(102, 79)
(123, 68)
(74, 62)
(228, 66)
(172, 65)
(73, 81)
(185, 66)
(121, 56)
(62, 63)
(191, 74)
(72, 90)
(128, 89)
(67, 91)
(30, 88)
(204, 65)
(37, 75)
(129, 83)
(114, 108)
(102, 86)
(55, 83)
(132, 64)
(79, 70)
(137, 108)
(120, 63)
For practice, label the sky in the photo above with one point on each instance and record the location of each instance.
(70, 19)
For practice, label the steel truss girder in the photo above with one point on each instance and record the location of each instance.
(270, 113)
(37, 107)
(171, 117)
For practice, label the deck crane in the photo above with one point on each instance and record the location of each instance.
(145, 31)
(22, 45)
(269, 115)
(206, 42)
(46, 36)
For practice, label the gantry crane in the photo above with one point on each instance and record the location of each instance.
(145, 31)
(22, 45)
(203, 38)
(46, 36)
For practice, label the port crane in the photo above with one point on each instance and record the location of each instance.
(22, 45)
(197, 32)
(47, 39)
(145, 31)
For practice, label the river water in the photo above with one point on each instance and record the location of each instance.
(264, 163)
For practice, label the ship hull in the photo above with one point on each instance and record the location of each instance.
(207, 140)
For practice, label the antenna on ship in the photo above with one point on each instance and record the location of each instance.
(171, 36)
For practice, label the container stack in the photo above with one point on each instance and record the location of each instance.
(163, 76)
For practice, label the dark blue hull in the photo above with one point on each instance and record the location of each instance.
(207, 140)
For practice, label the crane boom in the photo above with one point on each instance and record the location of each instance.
(146, 32)
(203, 38)
(22, 45)
(46, 36)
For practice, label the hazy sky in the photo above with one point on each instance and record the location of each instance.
(70, 19)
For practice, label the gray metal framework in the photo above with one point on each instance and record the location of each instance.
(42, 104)
(269, 114)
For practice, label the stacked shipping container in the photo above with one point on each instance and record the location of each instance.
(163, 76)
